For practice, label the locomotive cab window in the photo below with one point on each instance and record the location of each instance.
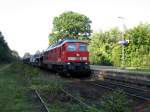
(82, 47)
(72, 47)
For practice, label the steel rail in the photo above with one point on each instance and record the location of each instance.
(128, 86)
(41, 100)
(39, 97)
(81, 102)
(138, 92)
(131, 81)
(125, 85)
(113, 88)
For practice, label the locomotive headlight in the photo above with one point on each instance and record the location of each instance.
(84, 58)
(68, 63)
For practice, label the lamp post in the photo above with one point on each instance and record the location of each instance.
(122, 42)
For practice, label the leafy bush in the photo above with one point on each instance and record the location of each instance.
(116, 102)
(101, 46)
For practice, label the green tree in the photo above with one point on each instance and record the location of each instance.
(27, 54)
(116, 55)
(101, 46)
(71, 24)
(5, 52)
(15, 55)
(138, 50)
(104, 47)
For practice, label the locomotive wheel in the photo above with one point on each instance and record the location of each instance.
(64, 74)
(67, 74)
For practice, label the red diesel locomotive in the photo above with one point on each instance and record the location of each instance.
(67, 57)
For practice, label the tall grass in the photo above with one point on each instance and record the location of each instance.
(12, 90)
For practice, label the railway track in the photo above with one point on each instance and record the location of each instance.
(41, 104)
(129, 90)
(38, 104)
(43, 107)
(141, 96)
(78, 100)
(107, 84)
(132, 85)
(112, 84)
(142, 83)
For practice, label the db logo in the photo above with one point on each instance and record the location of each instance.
(77, 54)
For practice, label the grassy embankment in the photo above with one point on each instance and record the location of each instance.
(12, 90)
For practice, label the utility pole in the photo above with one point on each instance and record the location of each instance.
(122, 38)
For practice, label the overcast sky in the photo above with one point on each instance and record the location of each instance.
(26, 24)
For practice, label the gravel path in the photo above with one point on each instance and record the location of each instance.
(5, 67)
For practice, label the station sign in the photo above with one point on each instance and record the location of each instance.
(123, 42)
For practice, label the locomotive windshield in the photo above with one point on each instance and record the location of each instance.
(82, 47)
(72, 47)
